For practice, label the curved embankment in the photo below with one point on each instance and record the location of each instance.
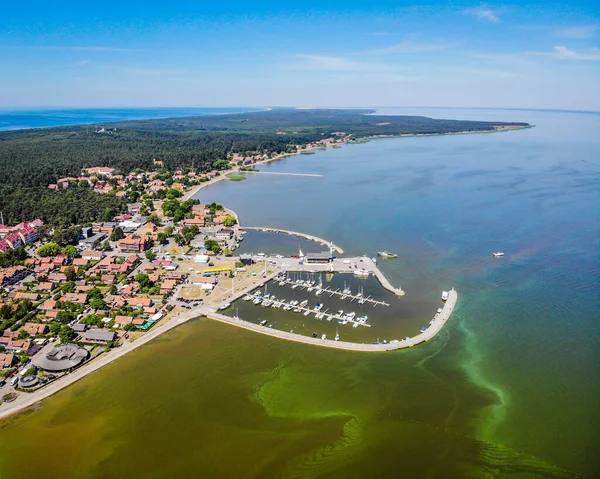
(435, 327)
(296, 233)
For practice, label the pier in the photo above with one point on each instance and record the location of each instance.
(328, 244)
(432, 330)
(282, 173)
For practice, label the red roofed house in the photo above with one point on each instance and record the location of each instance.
(135, 243)
(34, 328)
(6, 360)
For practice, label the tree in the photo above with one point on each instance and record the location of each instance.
(179, 239)
(162, 237)
(70, 251)
(50, 249)
(229, 221)
(67, 236)
(66, 334)
(212, 245)
(144, 280)
(117, 234)
(150, 255)
(97, 303)
(153, 218)
(221, 165)
(23, 334)
(70, 273)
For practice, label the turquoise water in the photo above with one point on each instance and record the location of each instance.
(39, 118)
(527, 323)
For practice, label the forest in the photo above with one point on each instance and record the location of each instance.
(32, 159)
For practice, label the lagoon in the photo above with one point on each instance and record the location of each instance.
(511, 380)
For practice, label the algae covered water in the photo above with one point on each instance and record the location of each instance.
(509, 388)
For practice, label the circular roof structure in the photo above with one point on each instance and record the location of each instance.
(61, 358)
(28, 381)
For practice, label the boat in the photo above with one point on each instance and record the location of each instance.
(314, 335)
(444, 295)
(307, 312)
(356, 325)
(281, 283)
(247, 297)
(294, 286)
(350, 316)
(323, 336)
(287, 307)
(424, 329)
(374, 259)
(339, 314)
(270, 326)
(499, 254)
(263, 322)
(225, 306)
(346, 289)
(304, 303)
(318, 292)
(294, 303)
(363, 319)
(267, 302)
(257, 300)
(387, 254)
(362, 273)
(318, 307)
(439, 310)
(337, 334)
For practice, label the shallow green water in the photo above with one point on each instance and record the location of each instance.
(509, 388)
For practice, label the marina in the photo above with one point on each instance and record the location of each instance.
(426, 334)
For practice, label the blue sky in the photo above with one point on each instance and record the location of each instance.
(377, 53)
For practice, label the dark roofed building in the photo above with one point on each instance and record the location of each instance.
(323, 257)
(62, 358)
(99, 336)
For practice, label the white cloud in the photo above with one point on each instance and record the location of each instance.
(82, 62)
(326, 63)
(564, 53)
(579, 32)
(409, 46)
(483, 13)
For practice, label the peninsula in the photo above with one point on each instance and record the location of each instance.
(102, 246)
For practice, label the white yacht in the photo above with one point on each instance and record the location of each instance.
(257, 300)
(444, 295)
(499, 254)
(350, 316)
(318, 307)
(346, 289)
(323, 336)
(362, 273)
(303, 303)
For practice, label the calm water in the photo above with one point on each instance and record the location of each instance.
(31, 118)
(509, 388)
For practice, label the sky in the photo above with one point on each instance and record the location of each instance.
(312, 54)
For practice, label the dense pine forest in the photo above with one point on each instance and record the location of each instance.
(32, 159)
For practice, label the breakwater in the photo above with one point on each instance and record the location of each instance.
(434, 328)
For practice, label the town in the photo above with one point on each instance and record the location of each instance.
(71, 294)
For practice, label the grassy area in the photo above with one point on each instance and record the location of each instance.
(234, 177)
(307, 152)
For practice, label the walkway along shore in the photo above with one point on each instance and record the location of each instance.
(435, 327)
(25, 400)
(296, 233)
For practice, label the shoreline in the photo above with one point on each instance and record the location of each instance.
(223, 176)
(25, 400)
